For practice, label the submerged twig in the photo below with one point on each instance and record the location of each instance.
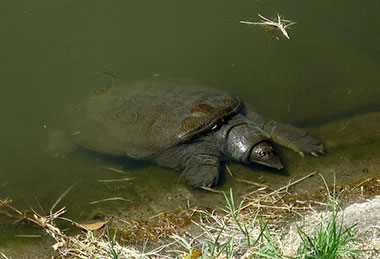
(28, 236)
(229, 170)
(114, 169)
(109, 199)
(208, 189)
(252, 183)
(61, 197)
(3, 255)
(115, 180)
(273, 193)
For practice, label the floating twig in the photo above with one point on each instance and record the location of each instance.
(272, 26)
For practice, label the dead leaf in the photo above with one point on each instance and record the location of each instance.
(92, 226)
(194, 255)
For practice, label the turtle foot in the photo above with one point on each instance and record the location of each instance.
(202, 176)
(306, 144)
(298, 140)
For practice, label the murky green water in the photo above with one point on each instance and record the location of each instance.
(54, 53)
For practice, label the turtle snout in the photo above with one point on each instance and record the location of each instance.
(264, 153)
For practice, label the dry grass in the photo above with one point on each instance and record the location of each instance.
(258, 227)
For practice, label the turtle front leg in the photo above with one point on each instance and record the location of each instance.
(202, 170)
(199, 162)
(297, 139)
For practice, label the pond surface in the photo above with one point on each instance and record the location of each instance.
(56, 53)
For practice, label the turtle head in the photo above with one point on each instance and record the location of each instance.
(264, 153)
(247, 143)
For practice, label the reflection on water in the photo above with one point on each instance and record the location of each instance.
(55, 52)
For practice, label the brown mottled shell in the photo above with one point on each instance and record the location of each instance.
(144, 119)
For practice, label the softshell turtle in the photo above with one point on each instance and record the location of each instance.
(184, 126)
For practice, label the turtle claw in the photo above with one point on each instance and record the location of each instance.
(301, 154)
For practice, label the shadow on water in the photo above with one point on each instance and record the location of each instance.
(127, 164)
